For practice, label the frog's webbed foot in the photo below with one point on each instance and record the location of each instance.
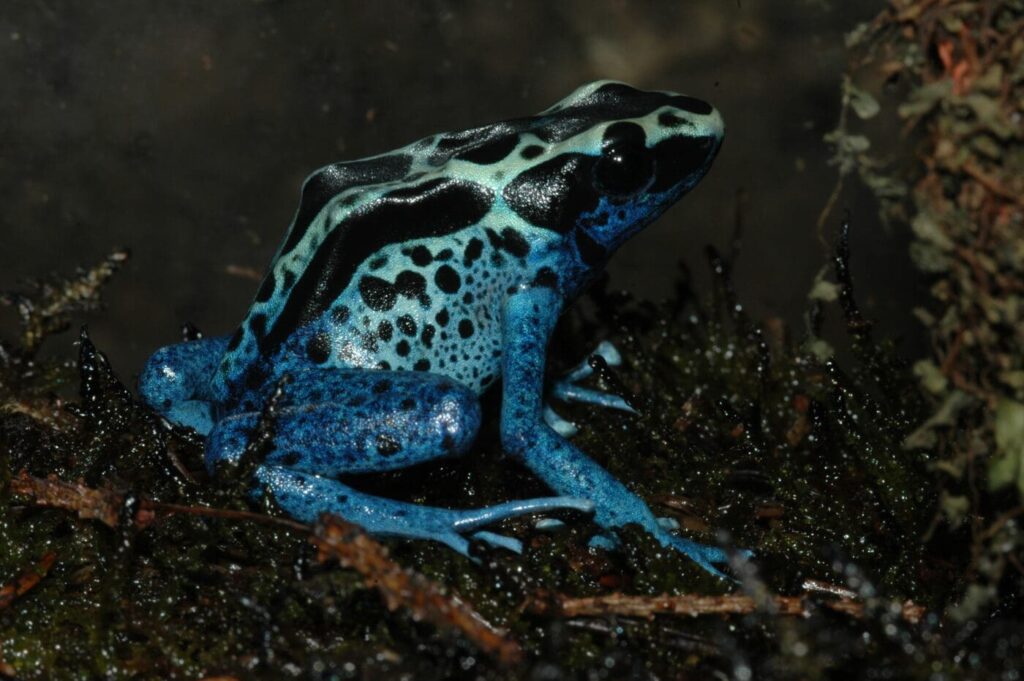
(305, 496)
(566, 390)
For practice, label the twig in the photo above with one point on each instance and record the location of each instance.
(401, 587)
(89, 503)
(334, 538)
(17, 587)
(992, 184)
(26, 580)
(105, 505)
(691, 605)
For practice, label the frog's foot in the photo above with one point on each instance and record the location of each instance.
(701, 554)
(305, 496)
(566, 390)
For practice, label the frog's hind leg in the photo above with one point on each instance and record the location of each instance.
(176, 381)
(305, 496)
(330, 422)
(566, 390)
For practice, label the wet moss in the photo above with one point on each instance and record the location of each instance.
(743, 435)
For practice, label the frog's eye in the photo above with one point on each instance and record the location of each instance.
(626, 166)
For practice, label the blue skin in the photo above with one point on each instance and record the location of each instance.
(410, 282)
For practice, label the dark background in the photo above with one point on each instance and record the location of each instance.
(184, 129)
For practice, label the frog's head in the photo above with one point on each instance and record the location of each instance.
(607, 160)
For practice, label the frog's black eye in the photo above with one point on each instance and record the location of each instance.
(625, 166)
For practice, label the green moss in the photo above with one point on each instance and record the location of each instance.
(750, 435)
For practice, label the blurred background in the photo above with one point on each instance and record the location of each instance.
(183, 130)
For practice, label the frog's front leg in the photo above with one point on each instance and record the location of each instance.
(334, 421)
(529, 317)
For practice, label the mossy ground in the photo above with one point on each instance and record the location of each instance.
(745, 434)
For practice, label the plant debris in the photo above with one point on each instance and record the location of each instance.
(24, 582)
(48, 309)
(402, 588)
(952, 73)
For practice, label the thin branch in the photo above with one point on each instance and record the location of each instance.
(404, 588)
(28, 578)
(691, 605)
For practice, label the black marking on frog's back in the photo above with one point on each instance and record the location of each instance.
(431, 209)
(667, 119)
(510, 241)
(612, 101)
(492, 151)
(490, 144)
(328, 182)
(554, 193)
(532, 151)
(477, 145)
(618, 100)
(319, 347)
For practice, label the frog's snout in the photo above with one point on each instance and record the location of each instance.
(712, 133)
(714, 125)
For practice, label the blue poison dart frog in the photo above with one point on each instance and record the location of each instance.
(412, 281)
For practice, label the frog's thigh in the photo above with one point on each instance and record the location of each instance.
(354, 421)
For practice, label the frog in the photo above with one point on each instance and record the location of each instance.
(411, 282)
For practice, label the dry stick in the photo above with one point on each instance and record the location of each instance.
(992, 184)
(334, 538)
(402, 587)
(695, 605)
(28, 578)
(21, 584)
(105, 505)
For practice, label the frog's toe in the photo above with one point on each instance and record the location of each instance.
(743, 554)
(607, 541)
(549, 525)
(468, 520)
(703, 555)
(570, 392)
(499, 541)
(606, 351)
(560, 425)
(567, 390)
(666, 523)
(452, 540)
